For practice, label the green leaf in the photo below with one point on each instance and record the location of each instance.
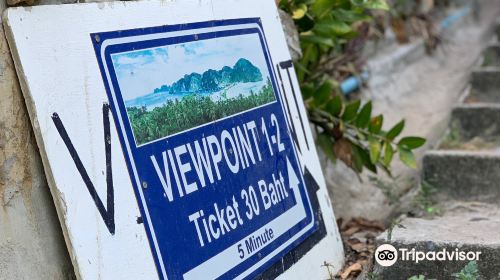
(332, 28)
(301, 71)
(310, 54)
(376, 5)
(349, 16)
(351, 110)
(469, 272)
(375, 148)
(315, 39)
(364, 115)
(334, 106)
(412, 142)
(388, 153)
(322, 7)
(323, 94)
(357, 158)
(364, 158)
(376, 124)
(396, 130)
(300, 11)
(307, 91)
(325, 143)
(407, 157)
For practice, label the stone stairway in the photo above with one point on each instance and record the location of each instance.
(465, 171)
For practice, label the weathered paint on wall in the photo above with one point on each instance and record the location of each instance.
(31, 240)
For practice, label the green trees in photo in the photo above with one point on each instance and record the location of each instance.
(191, 111)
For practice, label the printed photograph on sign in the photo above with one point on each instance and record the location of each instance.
(173, 88)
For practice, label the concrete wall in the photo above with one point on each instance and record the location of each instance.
(31, 240)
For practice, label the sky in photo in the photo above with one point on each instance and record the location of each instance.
(140, 72)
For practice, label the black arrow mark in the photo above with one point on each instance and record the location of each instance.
(287, 65)
(107, 215)
(286, 106)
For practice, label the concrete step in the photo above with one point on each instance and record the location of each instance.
(497, 30)
(485, 85)
(485, 79)
(475, 120)
(466, 226)
(491, 56)
(464, 175)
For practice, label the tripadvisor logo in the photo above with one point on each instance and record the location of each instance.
(387, 255)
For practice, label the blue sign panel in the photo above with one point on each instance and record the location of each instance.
(203, 131)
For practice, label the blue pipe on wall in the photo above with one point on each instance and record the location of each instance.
(354, 82)
(451, 19)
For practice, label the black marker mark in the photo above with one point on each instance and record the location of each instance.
(293, 256)
(139, 220)
(107, 215)
(287, 65)
(287, 109)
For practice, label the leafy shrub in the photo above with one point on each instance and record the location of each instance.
(346, 131)
(419, 277)
(469, 272)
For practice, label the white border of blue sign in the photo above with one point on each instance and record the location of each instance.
(130, 36)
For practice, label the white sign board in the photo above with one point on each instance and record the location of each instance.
(175, 140)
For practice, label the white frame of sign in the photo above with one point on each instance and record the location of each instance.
(60, 79)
